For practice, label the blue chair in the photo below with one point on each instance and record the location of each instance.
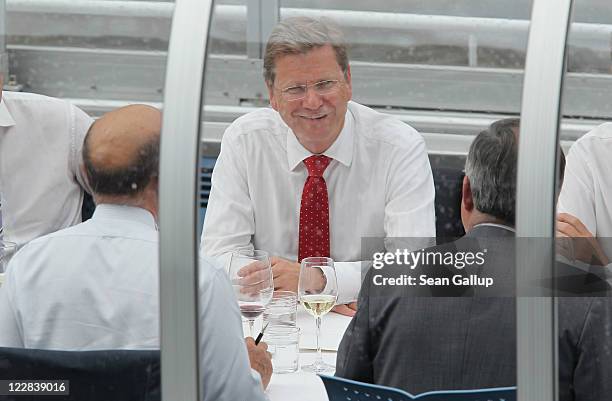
(339, 389)
(448, 182)
(118, 375)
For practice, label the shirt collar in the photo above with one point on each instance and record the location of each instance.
(341, 150)
(121, 212)
(6, 119)
(505, 227)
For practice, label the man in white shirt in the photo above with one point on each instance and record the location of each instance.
(41, 186)
(96, 285)
(276, 165)
(585, 202)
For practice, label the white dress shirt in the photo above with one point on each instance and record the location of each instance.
(40, 152)
(96, 286)
(379, 183)
(587, 185)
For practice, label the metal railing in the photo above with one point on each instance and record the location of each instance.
(363, 27)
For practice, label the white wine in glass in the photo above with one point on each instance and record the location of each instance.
(318, 292)
(251, 277)
(318, 305)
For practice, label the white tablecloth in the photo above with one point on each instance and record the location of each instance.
(333, 326)
(300, 386)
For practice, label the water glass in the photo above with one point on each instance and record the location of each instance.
(284, 345)
(281, 310)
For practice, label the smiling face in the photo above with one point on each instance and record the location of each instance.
(316, 120)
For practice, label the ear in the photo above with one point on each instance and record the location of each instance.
(85, 176)
(349, 85)
(155, 182)
(273, 99)
(467, 201)
(88, 187)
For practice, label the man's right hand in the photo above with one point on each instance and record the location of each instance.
(346, 310)
(253, 278)
(260, 359)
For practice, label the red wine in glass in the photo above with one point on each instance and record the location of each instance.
(251, 311)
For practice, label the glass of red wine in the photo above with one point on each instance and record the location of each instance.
(251, 277)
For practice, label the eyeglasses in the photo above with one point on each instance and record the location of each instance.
(298, 92)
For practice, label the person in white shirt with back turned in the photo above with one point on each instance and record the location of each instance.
(41, 185)
(316, 173)
(96, 285)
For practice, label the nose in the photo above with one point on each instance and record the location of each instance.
(312, 100)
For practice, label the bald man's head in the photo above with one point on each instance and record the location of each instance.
(121, 151)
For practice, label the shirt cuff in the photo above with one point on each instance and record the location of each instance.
(257, 377)
(348, 276)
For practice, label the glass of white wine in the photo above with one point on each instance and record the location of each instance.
(251, 277)
(317, 292)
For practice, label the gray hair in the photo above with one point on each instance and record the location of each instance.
(299, 35)
(491, 168)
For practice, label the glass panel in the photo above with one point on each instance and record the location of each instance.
(96, 54)
(404, 43)
(80, 301)
(449, 87)
(459, 38)
(589, 77)
(464, 33)
(227, 357)
(228, 29)
(584, 230)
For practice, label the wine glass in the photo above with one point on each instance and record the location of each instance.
(251, 277)
(317, 292)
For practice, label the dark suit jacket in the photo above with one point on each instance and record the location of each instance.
(401, 339)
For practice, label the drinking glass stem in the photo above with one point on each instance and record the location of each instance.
(319, 360)
(251, 324)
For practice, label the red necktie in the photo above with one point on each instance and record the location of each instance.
(314, 211)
